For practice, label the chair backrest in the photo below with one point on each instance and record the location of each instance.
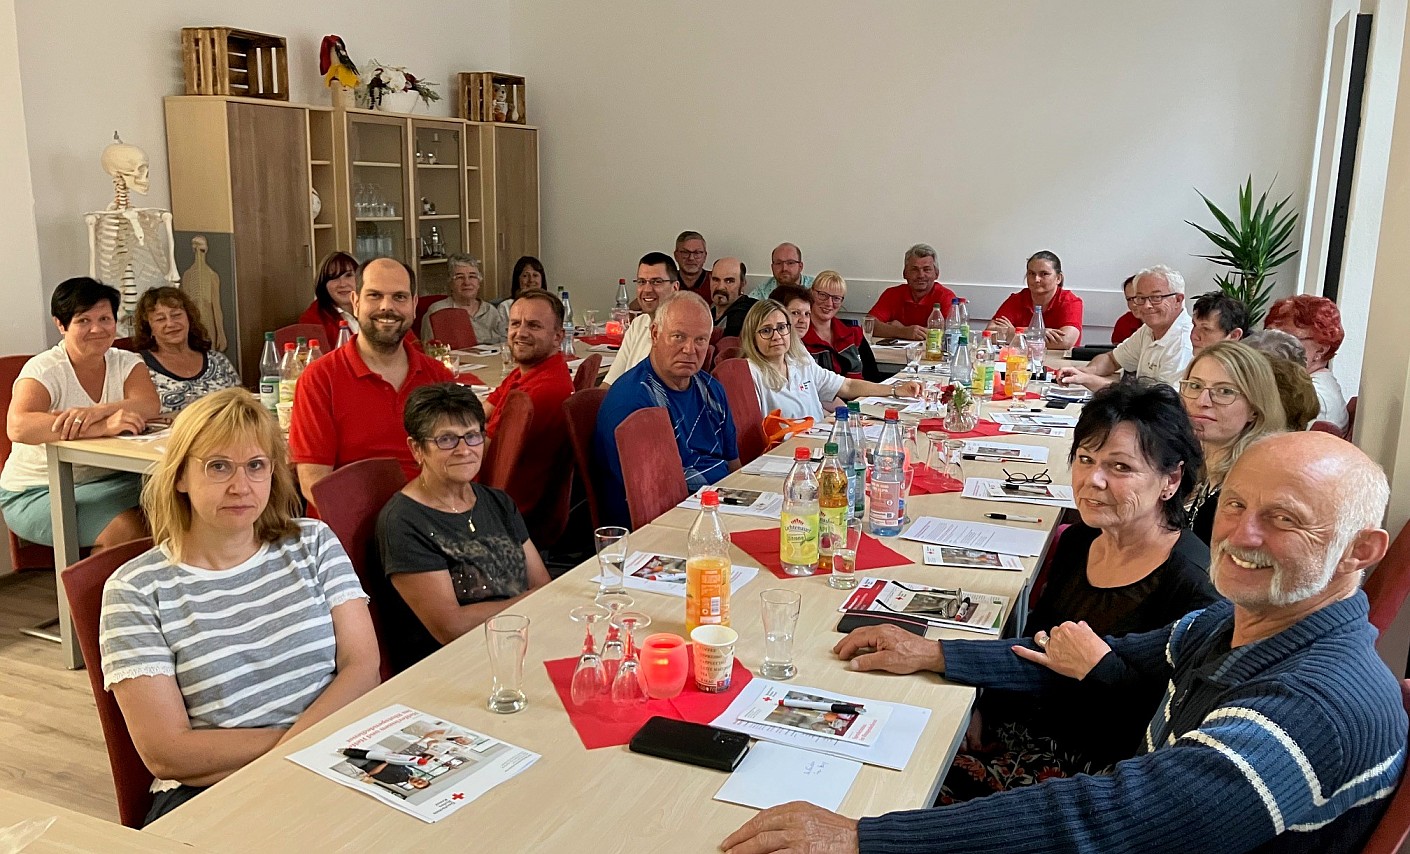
(10, 367)
(1351, 418)
(349, 500)
(1394, 827)
(453, 327)
(652, 471)
(83, 587)
(580, 410)
(1327, 427)
(729, 353)
(586, 377)
(735, 376)
(1389, 583)
(23, 554)
(724, 347)
(516, 416)
(124, 343)
(293, 332)
(424, 302)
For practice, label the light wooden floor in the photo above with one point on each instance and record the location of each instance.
(52, 744)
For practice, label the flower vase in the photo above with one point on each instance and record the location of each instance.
(960, 419)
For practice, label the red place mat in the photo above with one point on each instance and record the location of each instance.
(603, 724)
(928, 481)
(468, 378)
(595, 340)
(982, 428)
(762, 545)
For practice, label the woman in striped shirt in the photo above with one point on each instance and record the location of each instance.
(245, 625)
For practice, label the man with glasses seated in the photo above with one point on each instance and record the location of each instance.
(691, 254)
(657, 277)
(787, 266)
(1160, 349)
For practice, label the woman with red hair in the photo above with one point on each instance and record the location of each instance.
(1316, 322)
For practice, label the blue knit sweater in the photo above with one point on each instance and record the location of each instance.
(1291, 744)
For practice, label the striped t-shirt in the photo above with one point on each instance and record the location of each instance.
(250, 646)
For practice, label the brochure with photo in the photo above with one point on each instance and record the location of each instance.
(970, 558)
(861, 728)
(661, 573)
(939, 606)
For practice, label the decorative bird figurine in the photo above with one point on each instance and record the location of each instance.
(335, 65)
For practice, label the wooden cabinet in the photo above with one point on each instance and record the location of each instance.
(514, 159)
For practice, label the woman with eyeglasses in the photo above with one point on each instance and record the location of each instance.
(245, 625)
(1231, 394)
(835, 345)
(1062, 309)
(455, 552)
(787, 380)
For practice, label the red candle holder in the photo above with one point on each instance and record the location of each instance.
(664, 665)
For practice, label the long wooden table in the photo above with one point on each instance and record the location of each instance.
(74, 832)
(608, 799)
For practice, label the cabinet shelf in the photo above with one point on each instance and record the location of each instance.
(377, 219)
(472, 169)
(377, 164)
(320, 163)
(438, 166)
(431, 261)
(320, 225)
(440, 216)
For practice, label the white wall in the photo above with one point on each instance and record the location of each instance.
(22, 324)
(90, 67)
(990, 129)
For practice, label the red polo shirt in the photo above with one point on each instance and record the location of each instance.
(345, 412)
(547, 384)
(1126, 326)
(1064, 309)
(898, 305)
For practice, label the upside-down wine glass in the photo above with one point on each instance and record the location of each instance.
(613, 650)
(590, 677)
(627, 687)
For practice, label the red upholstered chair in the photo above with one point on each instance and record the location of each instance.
(734, 375)
(652, 470)
(729, 353)
(1389, 583)
(124, 343)
(1328, 427)
(453, 327)
(1041, 579)
(349, 500)
(586, 377)
(294, 331)
(83, 585)
(727, 347)
(581, 411)
(23, 554)
(423, 303)
(1394, 827)
(511, 434)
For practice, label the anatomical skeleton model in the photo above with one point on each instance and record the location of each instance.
(202, 285)
(132, 248)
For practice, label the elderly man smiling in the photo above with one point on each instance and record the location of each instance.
(1280, 729)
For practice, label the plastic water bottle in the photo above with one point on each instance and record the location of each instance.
(1037, 343)
(568, 351)
(315, 350)
(859, 457)
(621, 310)
(952, 329)
(344, 333)
(707, 568)
(269, 374)
(288, 373)
(888, 476)
(842, 438)
(301, 353)
(798, 525)
(935, 335)
(983, 378)
(834, 503)
(961, 367)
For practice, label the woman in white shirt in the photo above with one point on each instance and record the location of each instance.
(1316, 322)
(787, 379)
(82, 388)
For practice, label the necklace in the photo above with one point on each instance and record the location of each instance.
(450, 507)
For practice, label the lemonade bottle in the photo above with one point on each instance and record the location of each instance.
(834, 505)
(707, 568)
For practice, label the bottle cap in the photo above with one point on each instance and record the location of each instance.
(854, 406)
(289, 345)
(841, 412)
(709, 498)
(801, 454)
(315, 343)
(269, 336)
(829, 449)
(893, 415)
(303, 342)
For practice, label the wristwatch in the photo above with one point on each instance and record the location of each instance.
(893, 390)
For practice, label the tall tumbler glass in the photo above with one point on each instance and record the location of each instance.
(780, 612)
(611, 555)
(508, 638)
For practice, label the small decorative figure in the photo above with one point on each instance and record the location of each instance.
(339, 72)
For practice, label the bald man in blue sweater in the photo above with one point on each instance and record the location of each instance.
(1280, 729)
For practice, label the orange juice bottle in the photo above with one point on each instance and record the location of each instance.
(707, 568)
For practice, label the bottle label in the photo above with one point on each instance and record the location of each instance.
(286, 391)
(268, 392)
(885, 505)
(832, 534)
(934, 342)
(798, 543)
(706, 592)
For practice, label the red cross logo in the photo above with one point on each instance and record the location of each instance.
(458, 796)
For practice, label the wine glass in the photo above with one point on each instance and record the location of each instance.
(613, 649)
(611, 555)
(627, 687)
(914, 352)
(590, 677)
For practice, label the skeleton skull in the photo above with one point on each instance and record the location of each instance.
(127, 163)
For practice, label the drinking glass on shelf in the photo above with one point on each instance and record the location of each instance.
(869, 327)
(611, 555)
(915, 351)
(780, 612)
(627, 687)
(590, 677)
(507, 636)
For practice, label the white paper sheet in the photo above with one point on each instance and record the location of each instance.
(995, 451)
(1032, 430)
(1036, 419)
(991, 489)
(970, 558)
(1005, 539)
(773, 774)
(769, 465)
(767, 505)
(661, 573)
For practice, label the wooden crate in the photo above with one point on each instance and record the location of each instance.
(475, 98)
(225, 61)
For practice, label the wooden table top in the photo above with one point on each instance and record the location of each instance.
(75, 833)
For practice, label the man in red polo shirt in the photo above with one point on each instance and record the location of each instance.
(535, 341)
(348, 405)
(901, 311)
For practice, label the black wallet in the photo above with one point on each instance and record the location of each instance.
(694, 744)
(856, 619)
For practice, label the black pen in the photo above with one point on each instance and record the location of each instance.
(1011, 517)
(992, 458)
(380, 756)
(836, 708)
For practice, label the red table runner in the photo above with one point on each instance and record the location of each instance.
(763, 545)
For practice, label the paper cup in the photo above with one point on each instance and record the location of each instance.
(286, 413)
(714, 657)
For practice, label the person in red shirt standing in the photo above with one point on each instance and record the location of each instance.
(901, 311)
(1062, 309)
(348, 405)
(535, 341)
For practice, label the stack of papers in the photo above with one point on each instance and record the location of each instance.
(1002, 539)
(660, 573)
(1033, 430)
(1033, 419)
(995, 489)
(989, 450)
(946, 607)
(741, 502)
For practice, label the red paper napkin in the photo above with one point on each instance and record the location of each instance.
(465, 377)
(928, 481)
(604, 724)
(762, 545)
(595, 340)
(981, 428)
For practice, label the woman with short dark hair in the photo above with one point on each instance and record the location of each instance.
(455, 552)
(168, 334)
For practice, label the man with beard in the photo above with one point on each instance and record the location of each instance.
(535, 341)
(1280, 728)
(348, 404)
(730, 305)
(657, 277)
(786, 262)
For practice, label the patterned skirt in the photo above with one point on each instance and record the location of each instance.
(1019, 755)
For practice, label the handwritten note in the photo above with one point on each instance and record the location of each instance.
(774, 774)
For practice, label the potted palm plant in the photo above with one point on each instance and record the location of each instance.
(1251, 246)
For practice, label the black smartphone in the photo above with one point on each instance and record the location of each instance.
(1057, 404)
(888, 342)
(694, 744)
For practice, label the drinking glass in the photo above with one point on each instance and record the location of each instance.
(590, 321)
(506, 359)
(931, 395)
(613, 650)
(507, 636)
(627, 686)
(869, 327)
(780, 612)
(954, 454)
(844, 556)
(590, 677)
(915, 351)
(611, 554)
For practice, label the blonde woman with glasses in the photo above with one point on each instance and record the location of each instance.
(837, 346)
(785, 376)
(1231, 395)
(245, 625)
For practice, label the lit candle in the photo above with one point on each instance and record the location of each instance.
(664, 665)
